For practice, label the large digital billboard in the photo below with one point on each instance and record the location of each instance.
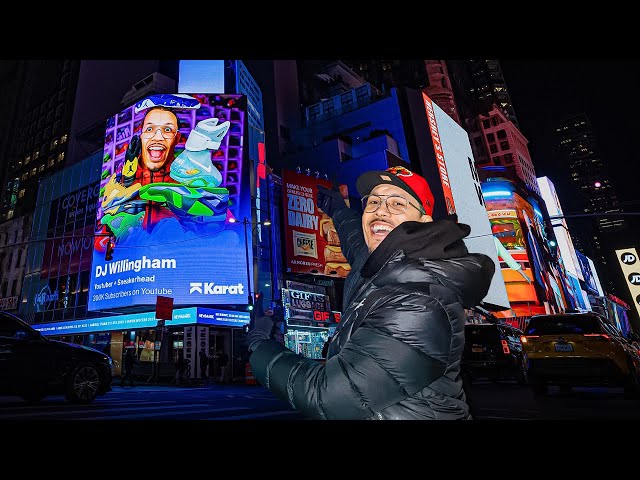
(630, 265)
(519, 225)
(312, 242)
(462, 191)
(174, 180)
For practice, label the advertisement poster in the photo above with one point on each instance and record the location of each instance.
(312, 242)
(174, 182)
(630, 265)
(459, 180)
(189, 351)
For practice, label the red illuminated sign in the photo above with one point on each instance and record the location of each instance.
(319, 316)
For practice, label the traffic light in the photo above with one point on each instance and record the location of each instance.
(109, 253)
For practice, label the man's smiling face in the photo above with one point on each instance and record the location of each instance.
(156, 149)
(377, 225)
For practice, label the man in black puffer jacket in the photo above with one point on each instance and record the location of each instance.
(396, 352)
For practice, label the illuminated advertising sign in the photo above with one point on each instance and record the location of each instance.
(596, 279)
(630, 265)
(71, 227)
(9, 303)
(312, 242)
(460, 181)
(135, 321)
(173, 182)
(560, 229)
(519, 226)
(589, 279)
(70, 253)
(74, 210)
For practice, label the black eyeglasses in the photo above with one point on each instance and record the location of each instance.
(396, 204)
(167, 131)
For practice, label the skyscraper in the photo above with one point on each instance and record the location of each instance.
(486, 113)
(590, 191)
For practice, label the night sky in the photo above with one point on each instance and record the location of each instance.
(543, 93)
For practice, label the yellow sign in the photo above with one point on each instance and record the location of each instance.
(630, 264)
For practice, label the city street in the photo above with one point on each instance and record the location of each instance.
(144, 402)
(500, 401)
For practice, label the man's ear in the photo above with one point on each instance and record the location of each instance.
(426, 219)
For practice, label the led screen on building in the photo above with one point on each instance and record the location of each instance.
(173, 181)
(518, 224)
(312, 242)
(462, 191)
(70, 230)
(630, 265)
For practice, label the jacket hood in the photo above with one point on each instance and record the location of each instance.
(437, 254)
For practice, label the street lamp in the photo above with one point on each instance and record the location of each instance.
(245, 222)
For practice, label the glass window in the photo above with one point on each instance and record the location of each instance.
(501, 134)
(504, 145)
(493, 148)
(491, 137)
(557, 325)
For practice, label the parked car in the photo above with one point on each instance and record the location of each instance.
(579, 349)
(33, 366)
(494, 351)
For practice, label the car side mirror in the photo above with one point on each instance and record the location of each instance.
(33, 336)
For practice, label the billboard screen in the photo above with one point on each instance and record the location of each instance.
(312, 242)
(630, 265)
(173, 182)
(589, 277)
(462, 191)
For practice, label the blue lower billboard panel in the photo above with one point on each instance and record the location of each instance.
(135, 321)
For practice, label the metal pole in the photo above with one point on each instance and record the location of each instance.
(246, 254)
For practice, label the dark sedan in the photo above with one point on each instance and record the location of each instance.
(494, 351)
(32, 366)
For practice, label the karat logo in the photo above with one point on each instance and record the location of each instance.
(628, 258)
(634, 278)
(210, 288)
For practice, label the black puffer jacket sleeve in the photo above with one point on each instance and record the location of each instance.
(384, 362)
(348, 224)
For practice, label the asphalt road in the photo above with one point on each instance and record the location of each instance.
(490, 402)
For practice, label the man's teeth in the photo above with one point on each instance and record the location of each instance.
(377, 228)
(156, 148)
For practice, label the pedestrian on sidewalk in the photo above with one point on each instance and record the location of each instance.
(181, 366)
(204, 365)
(223, 361)
(129, 361)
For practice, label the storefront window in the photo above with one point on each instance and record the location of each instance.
(306, 342)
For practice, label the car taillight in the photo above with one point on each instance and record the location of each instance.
(505, 347)
(526, 338)
(603, 336)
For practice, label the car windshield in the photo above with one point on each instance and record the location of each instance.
(555, 325)
(482, 334)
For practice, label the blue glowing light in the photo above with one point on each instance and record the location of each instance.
(497, 194)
